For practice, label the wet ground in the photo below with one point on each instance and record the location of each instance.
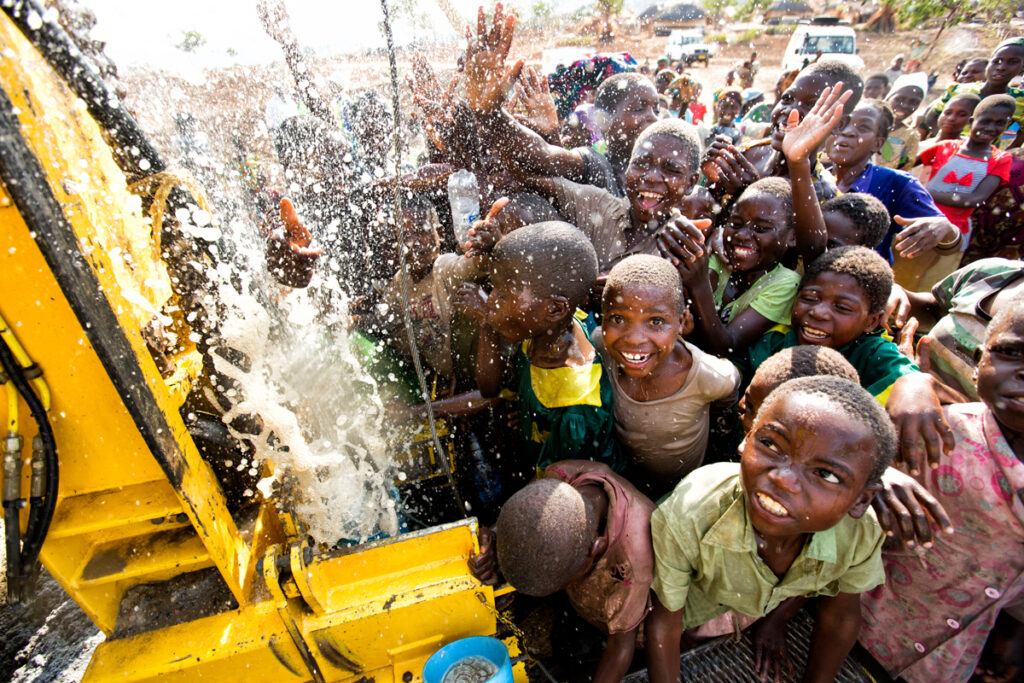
(47, 639)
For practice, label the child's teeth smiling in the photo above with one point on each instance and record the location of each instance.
(771, 505)
(814, 333)
(636, 357)
(743, 252)
(649, 200)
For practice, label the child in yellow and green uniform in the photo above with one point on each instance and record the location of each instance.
(540, 275)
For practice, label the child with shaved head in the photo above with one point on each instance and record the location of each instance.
(583, 529)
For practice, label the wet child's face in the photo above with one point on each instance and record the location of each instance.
(757, 234)
(728, 109)
(905, 102)
(859, 139)
(875, 88)
(801, 95)
(956, 116)
(422, 245)
(513, 309)
(842, 231)
(640, 326)
(1001, 374)
(658, 178)
(637, 110)
(990, 124)
(832, 309)
(973, 71)
(1005, 65)
(805, 465)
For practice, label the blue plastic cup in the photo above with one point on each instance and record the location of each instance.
(477, 646)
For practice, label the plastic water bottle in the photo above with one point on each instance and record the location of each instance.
(464, 198)
(485, 478)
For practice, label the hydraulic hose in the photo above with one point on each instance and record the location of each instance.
(39, 523)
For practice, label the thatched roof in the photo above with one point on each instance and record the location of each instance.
(682, 12)
(791, 6)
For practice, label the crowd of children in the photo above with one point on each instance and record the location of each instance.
(709, 344)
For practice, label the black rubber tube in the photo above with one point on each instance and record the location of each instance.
(35, 534)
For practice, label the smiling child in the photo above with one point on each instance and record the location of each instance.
(900, 148)
(661, 176)
(663, 385)
(965, 174)
(955, 117)
(840, 304)
(791, 520)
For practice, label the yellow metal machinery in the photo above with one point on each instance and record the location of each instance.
(138, 511)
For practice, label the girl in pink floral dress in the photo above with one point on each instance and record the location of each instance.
(930, 619)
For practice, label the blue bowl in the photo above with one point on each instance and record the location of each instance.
(477, 646)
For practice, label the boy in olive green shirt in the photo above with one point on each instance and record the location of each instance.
(791, 521)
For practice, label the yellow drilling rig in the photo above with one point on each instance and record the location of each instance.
(104, 480)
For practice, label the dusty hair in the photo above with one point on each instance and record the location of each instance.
(804, 360)
(682, 131)
(545, 532)
(553, 258)
(866, 211)
(864, 265)
(852, 400)
(835, 71)
(644, 269)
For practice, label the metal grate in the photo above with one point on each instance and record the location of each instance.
(726, 660)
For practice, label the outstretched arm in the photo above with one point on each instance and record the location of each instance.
(487, 82)
(276, 23)
(974, 199)
(801, 143)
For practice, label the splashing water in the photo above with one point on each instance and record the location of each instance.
(321, 412)
(473, 669)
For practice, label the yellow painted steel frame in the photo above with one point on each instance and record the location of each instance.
(79, 279)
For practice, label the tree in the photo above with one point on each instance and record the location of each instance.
(714, 8)
(190, 41)
(609, 8)
(913, 13)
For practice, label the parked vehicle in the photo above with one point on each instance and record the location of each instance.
(827, 36)
(688, 44)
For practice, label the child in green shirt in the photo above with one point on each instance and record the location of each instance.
(790, 521)
(540, 275)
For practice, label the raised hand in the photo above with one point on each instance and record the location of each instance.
(487, 78)
(535, 97)
(483, 235)
(804, 137)
(289, 256)
(274, 17)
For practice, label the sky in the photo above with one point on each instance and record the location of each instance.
(144, 33)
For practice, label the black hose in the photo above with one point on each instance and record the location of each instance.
(35, 534)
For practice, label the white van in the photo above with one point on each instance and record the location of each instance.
(687, 44)
(833, 40)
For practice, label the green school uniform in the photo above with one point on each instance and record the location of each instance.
(566, 413)
(876, 359)
(706, 560)
(772, 295)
